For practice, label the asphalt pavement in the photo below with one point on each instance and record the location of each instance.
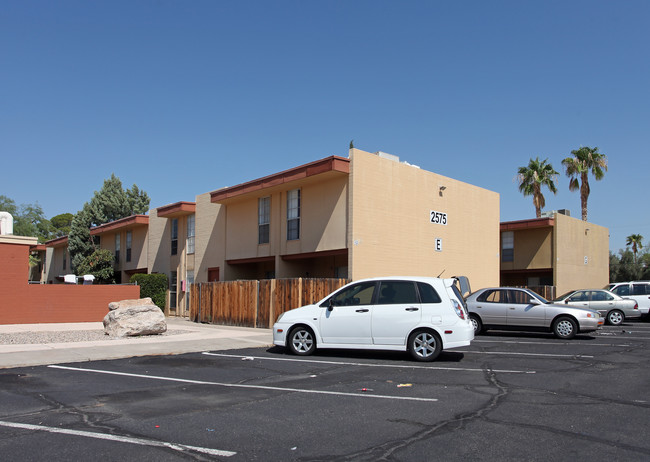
(188, 337)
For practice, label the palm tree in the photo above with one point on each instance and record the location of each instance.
(533, 177)
(577, 168)
(635, 241)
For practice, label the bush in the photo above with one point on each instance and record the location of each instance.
(154, 286)
(99, 264)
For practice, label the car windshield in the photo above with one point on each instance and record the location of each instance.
(539, 297)
(563, 296)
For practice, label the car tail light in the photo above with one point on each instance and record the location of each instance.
(459, 309)
(636, 306)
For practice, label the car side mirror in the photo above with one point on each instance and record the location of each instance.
(330, 305)
(566, 301)
(533, 301)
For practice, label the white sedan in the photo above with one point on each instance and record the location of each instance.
(422, 315)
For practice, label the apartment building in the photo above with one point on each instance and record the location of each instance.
(171, 250)
(361, 216)
(59, 262)
(127, 239)
(557, 250)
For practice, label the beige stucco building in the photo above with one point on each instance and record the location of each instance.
(362, 216)
(127, 239)
(365, 215)
(59, 261)
(558, 251)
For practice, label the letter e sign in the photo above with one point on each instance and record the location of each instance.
(438, 244)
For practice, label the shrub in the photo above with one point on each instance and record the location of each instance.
(99, 264)
(154, 286)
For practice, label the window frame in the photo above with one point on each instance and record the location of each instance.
(174, 236)
(293, 214)
(264, 220)
(129, 243)
(191, 233)
(508, 246)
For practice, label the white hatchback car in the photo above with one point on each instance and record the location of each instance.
(636, 290)
(422, 315)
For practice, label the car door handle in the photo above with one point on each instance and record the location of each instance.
(512, 308)
(412, 309)
(363, 310)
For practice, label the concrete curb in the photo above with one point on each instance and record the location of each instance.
(199, 337)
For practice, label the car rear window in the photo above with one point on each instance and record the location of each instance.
(428, 294)
(640, 289)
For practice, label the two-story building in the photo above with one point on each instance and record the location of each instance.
(555, 251)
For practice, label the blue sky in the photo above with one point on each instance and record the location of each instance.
(185, 97)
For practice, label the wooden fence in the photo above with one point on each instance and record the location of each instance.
(548, 292)
(255, 303)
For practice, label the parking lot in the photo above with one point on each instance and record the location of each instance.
(509, 396)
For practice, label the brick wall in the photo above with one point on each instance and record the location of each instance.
(23, 303)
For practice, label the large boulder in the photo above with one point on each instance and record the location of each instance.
(128, 318)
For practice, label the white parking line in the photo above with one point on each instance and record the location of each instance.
(517, 342)
(523, 354)
(120, 439)
(343, 363)
(239, 385)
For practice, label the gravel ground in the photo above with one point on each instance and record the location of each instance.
(22, 338)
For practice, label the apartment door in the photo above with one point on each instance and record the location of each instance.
(213, 274)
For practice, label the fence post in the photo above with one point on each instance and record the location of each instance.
(198, 319)
(272, 303)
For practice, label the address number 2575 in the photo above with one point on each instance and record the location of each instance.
(438, 218)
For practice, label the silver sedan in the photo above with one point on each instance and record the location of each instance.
(613, 308)
(515, 308)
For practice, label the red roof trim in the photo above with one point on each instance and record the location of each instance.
(57, 242)
(527, 224)
(122, 223)
(333, 163)
(176, 209)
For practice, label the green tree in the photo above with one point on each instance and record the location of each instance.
(531, 179)
(108, 204)
(614, 267)
(61, 224)
(99, 264)
(635, 241)
(629, 270)
(29, 219)
(577, 168)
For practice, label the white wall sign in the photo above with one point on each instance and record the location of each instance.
(438, 244)
(439, 218)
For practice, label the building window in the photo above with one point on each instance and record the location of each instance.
(174, 236)
(173, 284)
(190, 234)
(129, 239)
(508, 246)
(64, 259)
(263, 219)
(189, 279)
(117, 248)
(293, 215)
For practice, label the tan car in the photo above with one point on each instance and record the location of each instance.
(613, 308)
(515, 308)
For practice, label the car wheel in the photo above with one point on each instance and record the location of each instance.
(565, 328)
(615, 318)
(302, 341)
(424, 345)
(476, 323)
